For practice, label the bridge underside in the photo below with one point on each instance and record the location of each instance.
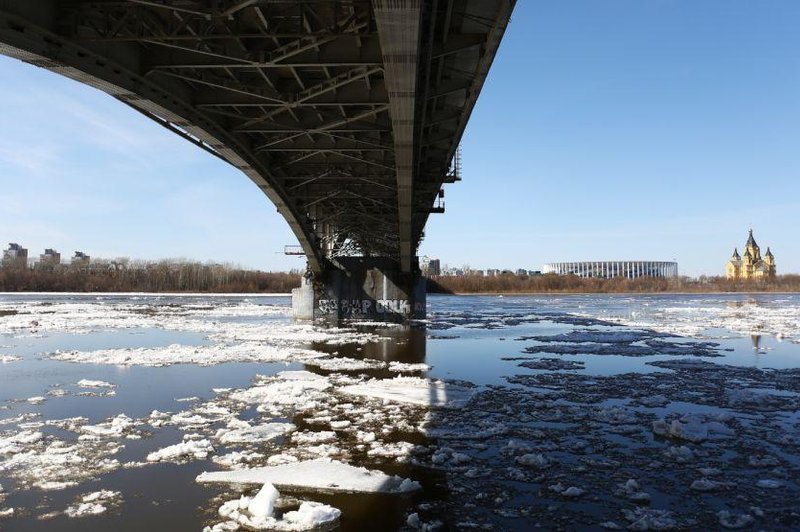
(347, 114)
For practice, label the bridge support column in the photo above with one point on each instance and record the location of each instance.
(369, 289)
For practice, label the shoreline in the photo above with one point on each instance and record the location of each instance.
(488, 293)
(585, 293)
(186, 294)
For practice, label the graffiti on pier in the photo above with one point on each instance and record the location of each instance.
(364, 307)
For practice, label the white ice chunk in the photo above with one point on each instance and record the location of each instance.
(650, 519)
(114, 427)
(16, 442)
(307, 437)
(408, 367)
(734, 521)
(263, 504)
(309, 516)
(189, 449)
(322, 475)
(414, 390)
(346, 364)
(92, 503)
(85, 508)
(534, 460)
(86, 383)
(257, 433)
(188, 354)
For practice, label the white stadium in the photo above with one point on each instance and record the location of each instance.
(632, 269)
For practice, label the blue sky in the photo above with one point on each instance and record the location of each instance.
(615, 129)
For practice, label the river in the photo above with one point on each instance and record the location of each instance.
(559, 412)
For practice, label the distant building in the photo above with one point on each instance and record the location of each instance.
(80, 260)
(751, 265)
(632, 269)
(49, 259)
(15, 256)
(430, 267)
(492, 272)
(522, 272)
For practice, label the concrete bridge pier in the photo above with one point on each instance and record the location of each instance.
(361, 288)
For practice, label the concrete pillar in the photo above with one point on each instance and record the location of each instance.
(372, 289)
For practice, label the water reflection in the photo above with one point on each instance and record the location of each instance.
(756, 341)
(405, 344)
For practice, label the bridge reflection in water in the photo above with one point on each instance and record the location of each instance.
(403, 344)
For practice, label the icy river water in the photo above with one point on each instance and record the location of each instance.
(590, 412)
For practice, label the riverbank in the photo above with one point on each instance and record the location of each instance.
(570, 284)
(167, 276)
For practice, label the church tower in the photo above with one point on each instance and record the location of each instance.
(733, 270)
(750, 265)
(769, 262)
(752, 248)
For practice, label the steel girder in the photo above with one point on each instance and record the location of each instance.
(345, 113)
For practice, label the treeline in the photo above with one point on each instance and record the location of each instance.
(551, 283)
(161, 276)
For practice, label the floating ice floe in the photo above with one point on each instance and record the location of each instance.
(237, 459)
(693, 427)
(187, 450)
(326, 476)
(570, 492)
(86, 383)
(93, 503)
(408, 367)
(231, 341)
(112, 428)
(16, 443)
(601, 337)
(346, 364)
(255, 433)
(47, 464)
(552, 364)
(298, 390)
(745, 318)
(257, 513)
(186, 354)
(733, 520)
(414, 390)
(83, 317)
(650, 519)
(308, 437)
(5, 359)
(536, 460)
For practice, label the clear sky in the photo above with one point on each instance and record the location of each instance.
(624, 129)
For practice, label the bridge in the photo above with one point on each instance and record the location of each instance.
(347, 114)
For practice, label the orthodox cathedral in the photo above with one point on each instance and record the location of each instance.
(751, 265)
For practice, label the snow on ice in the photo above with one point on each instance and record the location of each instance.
(415, 390)
(326, 476)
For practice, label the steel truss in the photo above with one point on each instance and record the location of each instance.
(346, 113)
